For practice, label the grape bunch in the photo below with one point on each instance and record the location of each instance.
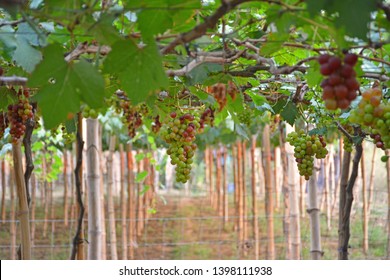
(179, 132)
(68, 137)
(373, 114)
(305, 148)
(347, 143)
(132, 117)
(207, 117)
(245, 117)
(89, 112)
(156, 124)
(18, 114)
(340, 86)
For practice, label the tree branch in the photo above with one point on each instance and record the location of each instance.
(13, 81)
(83, 48)
(209, 23)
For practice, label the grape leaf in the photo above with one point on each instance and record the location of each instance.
(289, 113)
(25, 55)
(153, 21)
(141, 176)
(63, 86)
(7, 97)
(139, 69)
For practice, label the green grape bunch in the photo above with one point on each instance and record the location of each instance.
(179, 132)
(307, 147)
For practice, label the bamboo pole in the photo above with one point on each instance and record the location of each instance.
(269, 194)
(244, 193)
(388, 203)
(22, 199)
(294, 223)
(123, 202)
(371, 182)
(33, 205)
(326, 165)
(111, 207)
(4, 190)
(365, 205)
(314, 213)
(286, 195)
(65, 175)
(219, 183)
(277, 169)
(240, 196)
(102, 199)
(93, 178)
(255, 220)
(225, 187)
(12, 215)
(130, 201)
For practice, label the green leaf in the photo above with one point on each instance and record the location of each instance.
(33, 36)
(313, 75)
(7, 97)
(141, 176)
(63, 86)
(154, 21)
(201, 72)
(89, 83)
(104, 31)
(139, 69)
(257, 99)
(25, 55)
(290, 113)
(240, 129)
(140, 156)
(318, 131)
(279, 105)
(274, 44)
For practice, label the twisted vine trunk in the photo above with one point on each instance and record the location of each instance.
(344, 230)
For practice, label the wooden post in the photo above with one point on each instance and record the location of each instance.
(255, 220)
(365, 205)
(93, 177)
(294, 222)
(123, 202)
(269, 207)
(24, 212)
(65, 175)
(3, 190)
(12, 215)
(111, 206)
(388, 203)
(277, 170)
(225, 187)
(314, 213)
(131, 200)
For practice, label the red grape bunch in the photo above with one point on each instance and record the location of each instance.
(305, 148)
(179, 132)
(373, 114)
(18, 114)
(207, 117)
(340, 86)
